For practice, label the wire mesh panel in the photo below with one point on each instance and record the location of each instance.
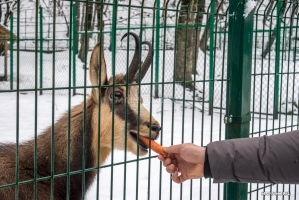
(275, 81)
(75, 132)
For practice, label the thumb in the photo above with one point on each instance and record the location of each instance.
(173, 149)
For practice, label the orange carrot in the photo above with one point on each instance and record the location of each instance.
(154, 145)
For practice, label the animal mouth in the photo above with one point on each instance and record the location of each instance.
(139, 142)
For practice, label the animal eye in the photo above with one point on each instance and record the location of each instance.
(117, 95)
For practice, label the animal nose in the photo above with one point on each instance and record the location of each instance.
(154, 127)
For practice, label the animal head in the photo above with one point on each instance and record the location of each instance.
(122, 113)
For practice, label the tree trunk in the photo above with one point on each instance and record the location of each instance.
(205, 36)
(268, 12)
(293, 16)
(197, 30)
(87, 26)
(100, 22)
(273, 35)
(7, 14)
(186, 46)
(269, 43)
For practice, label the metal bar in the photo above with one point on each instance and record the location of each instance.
(127, 93)
(53, 105)
(113, 57)
(162, 92)
(240, 35)
(157, 55)
(184, 76)
(173, 94)
(277, 59)
(138, 109)
(17, 104)
(11, 41)
(211, 50)
(74, 32)
(35, 192)
(86, 45)
(101, 40)
(41, 49)
(70, 54)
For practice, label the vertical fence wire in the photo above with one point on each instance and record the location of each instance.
(113, 61)
(41, 47)
(35, 100)
(11, 41)
(70, 71)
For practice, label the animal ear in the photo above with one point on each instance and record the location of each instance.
(97, 69)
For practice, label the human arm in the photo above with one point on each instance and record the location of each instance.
(267, 159)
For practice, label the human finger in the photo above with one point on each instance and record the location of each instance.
(171, 168)
(161, 158)
(173, 149)
(177, 178)
(166, 162)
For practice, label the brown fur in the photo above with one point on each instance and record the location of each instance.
(99, 101)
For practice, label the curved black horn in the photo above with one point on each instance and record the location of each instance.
(133, 68)
(147, 62)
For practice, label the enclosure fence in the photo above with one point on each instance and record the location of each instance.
(221, 69)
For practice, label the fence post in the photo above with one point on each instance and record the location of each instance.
(239, 63)
(157, 48)
(277, 59)
(211, 49)
(41, 49)
(74, 49)
(11, 36)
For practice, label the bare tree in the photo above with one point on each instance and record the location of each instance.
(185, 47)
(86, 20)
(293, 14)
(99, 12)
(197, 31)
(274, 33)
(10, 6)
(268, 11)
(61, 13)
(206, 34)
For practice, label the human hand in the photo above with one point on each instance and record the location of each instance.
(184, 161)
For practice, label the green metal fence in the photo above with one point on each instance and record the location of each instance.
(241, 75)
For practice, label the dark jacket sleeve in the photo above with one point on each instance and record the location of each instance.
(266, 159)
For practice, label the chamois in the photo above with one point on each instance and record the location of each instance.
(109, 110)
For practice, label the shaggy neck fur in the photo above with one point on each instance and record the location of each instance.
(60, 158)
